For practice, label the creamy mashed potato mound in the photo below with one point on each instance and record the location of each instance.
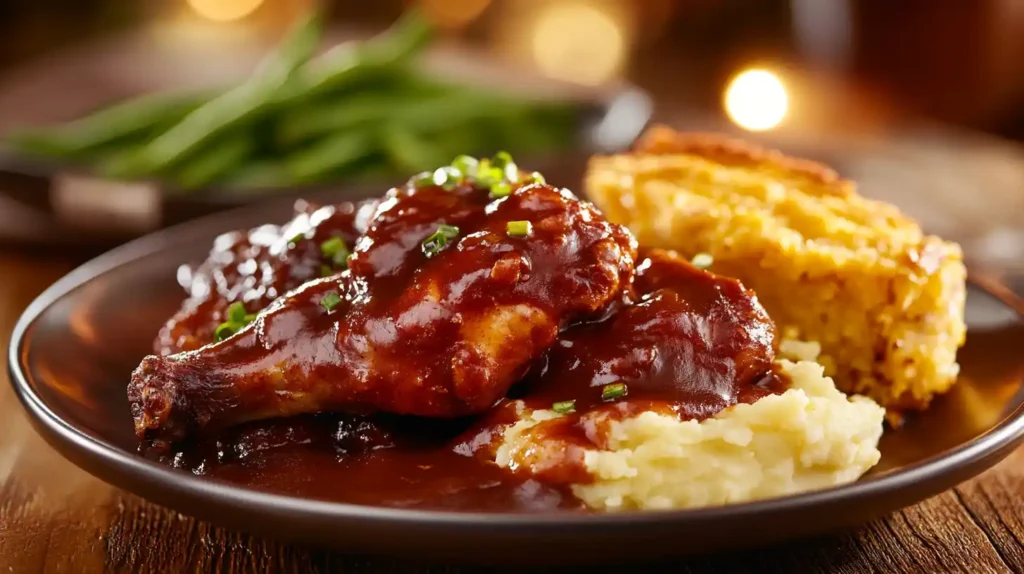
(811, 436)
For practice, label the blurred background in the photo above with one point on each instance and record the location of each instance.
(920, 101)
(842, 63)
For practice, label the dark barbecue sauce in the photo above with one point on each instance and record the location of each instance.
(401, 462)
(688, 343)
(405, 329)
(257, 266)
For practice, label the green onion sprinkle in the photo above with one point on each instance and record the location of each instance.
(613, 391)
(237, 318)
(439, 239)
(519, 228)
(702, 260)
(564, 407)
(330, 300)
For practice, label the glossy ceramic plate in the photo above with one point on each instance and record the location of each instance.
(73, 350)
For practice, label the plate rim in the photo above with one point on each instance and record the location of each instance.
(976, 453)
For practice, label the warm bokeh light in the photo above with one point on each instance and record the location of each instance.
(579, 42)
(756, 100)
(453, 13)
(224, 10)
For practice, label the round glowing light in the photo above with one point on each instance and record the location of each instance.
(224, 10)
(578, 42)
(756, 100)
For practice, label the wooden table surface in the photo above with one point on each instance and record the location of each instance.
(56, 518)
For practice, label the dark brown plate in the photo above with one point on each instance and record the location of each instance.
(72, 352)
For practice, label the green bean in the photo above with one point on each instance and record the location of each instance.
(214, 163)
(119, 163)
(459, 108)
(348, 63)
(408, 152)
(329, 155)
(464, 139)
(417, 112)
(359, 110)
(372, 168)
(371, 101)
(108, 126)
(535, 129)
(233, 108)
(256, 175)
(304, 123)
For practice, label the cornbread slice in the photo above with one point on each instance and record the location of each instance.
(885, 301)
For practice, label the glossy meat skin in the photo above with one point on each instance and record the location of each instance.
(693, 342)
(437, 336)
(256, 267)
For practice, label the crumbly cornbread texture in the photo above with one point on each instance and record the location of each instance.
(885, 301)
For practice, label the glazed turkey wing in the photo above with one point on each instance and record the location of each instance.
(405, 329)
(257, 266)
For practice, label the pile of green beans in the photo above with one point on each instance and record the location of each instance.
(360, 110)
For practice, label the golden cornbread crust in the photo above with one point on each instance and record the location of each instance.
(738, 153)
(885, 301)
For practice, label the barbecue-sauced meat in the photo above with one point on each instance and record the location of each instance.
(255, 267)
(402, 330)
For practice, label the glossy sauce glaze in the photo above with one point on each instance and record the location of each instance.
(404, 329)
(692, 344)
(257, 266)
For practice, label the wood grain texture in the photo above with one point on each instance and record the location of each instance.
(56, 518)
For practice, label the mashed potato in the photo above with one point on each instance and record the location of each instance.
(811, 436)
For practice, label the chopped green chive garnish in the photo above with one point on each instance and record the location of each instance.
(332, 246)
(511, 171)
(502, 158)
(224, 330)
(236, 312)
(330, 301)
(613, 391)
(237, 318)
(499, 175)
(466, 165)
(447, 177)
(326, 270)
(449, 231)
(423, 179)
(501, 189)
(335, 250)
(439, 239)
(702, 260)
(488, 176)
(298, 237)
(564, 407)
(518, 228)
(503, 161)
